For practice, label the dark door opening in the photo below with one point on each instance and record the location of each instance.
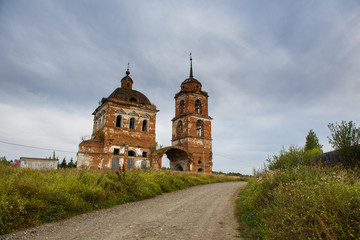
(178, 167)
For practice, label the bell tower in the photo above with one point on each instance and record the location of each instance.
(191, 126)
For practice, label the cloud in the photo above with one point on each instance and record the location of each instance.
(272, 70)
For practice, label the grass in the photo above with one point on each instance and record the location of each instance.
(308, 202)
(31, 197)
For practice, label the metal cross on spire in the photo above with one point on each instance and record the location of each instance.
(191, 70)
(127, 71)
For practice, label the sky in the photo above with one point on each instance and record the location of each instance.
(273, 70)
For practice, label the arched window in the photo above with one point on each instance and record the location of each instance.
(144, 125)
(131, 154)
(132, 123)
(199, 128)
(179, 128)
(198, 106)
(182, 106)
(118, 121)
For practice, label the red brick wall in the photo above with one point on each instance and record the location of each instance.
(99, 151)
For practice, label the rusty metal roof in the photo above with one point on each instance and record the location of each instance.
(129, 95)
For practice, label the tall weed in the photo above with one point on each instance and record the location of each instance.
(31, 197)
(301, 203)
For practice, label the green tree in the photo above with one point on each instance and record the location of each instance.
(312, 141)
(4, 162)
(71, 164)
(345, 139)
(63, 164)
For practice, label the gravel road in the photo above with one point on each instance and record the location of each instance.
(201, 212)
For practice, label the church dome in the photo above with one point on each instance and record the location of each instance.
(190, 80)
(130, 95)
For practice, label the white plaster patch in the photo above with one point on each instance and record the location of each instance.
(138, 164)
(83, 160)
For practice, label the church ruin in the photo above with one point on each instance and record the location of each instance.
(124, 131)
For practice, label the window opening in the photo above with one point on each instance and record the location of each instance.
(199, 128)
(118, 121)
(132, 123)
(144, 125)
(200, 170)
(144, 154)
(131, 154)
(128, 84)
(116, 151)
(198, 106)
(132, 99)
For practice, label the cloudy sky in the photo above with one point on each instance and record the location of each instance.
(273, 70)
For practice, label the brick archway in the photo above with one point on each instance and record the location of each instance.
(180, 159)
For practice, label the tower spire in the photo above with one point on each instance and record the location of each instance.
(191, 70)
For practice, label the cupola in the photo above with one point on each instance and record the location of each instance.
(191, 84)
(127, 82)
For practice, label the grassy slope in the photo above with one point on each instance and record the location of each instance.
(30, 197)
(304, 203)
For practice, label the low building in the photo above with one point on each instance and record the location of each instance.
(39, 163)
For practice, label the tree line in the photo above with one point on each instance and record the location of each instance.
(70, 164)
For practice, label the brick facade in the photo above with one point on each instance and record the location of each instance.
(191, 126)
(123, 131)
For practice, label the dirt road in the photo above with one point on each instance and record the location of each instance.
(202, 212)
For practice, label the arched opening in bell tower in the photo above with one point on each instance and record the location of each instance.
(199, 128)
(179, 158)
(198, 106)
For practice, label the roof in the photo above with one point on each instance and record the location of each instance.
(129, 95)
(37, 159)
(190, 79)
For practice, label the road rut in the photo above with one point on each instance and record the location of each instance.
(201, 212)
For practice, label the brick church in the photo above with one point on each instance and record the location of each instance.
(124, 127)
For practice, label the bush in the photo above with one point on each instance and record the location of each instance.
(292, 158)
(304, 203)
